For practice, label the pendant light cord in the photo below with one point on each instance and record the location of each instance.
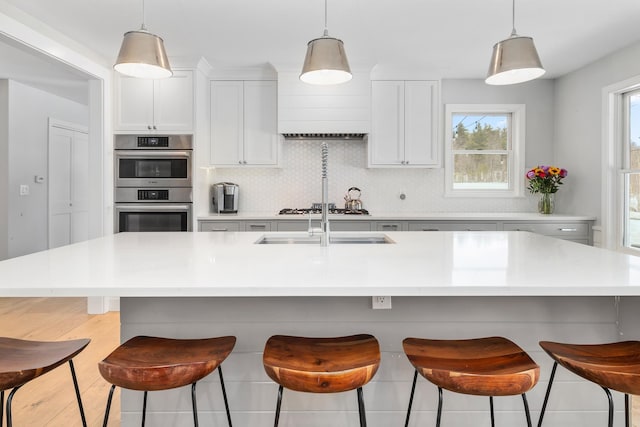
(142, 27)
(326, 31)
(513, 19)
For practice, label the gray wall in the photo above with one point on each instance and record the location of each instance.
(578, 127)
(4, 169)
(29, 110)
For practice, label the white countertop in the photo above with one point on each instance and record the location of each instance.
(402, 216)
(230, 264)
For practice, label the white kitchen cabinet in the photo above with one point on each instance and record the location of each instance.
(575, 231)
(244, 123)
(163, 105)
(404, 124)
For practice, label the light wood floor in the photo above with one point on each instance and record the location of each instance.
(50, 399)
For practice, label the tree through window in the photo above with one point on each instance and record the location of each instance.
(484, 150)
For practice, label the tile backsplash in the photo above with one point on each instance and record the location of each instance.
(297, 183)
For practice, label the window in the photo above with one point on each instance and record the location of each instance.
(630, 170)
(484, 147)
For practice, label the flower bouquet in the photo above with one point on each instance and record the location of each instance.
(545, 180)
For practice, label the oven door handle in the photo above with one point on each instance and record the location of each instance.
(152, 207)
(144, 154)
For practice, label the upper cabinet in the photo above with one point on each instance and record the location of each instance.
(244, 123)
(164, 105)
(404, 124)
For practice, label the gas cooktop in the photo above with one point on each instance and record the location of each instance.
(317, 209)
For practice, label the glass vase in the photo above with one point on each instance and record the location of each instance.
(546, 203)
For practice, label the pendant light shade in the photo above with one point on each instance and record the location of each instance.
(326, 61)
(514, 60)
(142, 55)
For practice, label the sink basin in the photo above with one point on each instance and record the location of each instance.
(334, 239)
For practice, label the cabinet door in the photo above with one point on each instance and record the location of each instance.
(420, 134)
(133, 104)
(227, 123)
(219, 226)
(260, 123)
(173, 102)
(386, 142)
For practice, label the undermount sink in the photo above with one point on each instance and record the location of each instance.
(334, 239)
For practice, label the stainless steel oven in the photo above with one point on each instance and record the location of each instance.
(153, 184)
(153, 161)
(152, 209)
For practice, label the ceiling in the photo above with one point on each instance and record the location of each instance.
(440, 38)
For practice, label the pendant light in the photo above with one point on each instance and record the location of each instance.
(514, 60)
(142, 55)
(326, 61)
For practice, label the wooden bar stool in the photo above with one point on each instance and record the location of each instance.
(322, 365)
(21, 361)
(613, 366)
(151, 363)
(491, 367)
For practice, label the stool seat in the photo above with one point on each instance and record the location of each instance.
(321, 365)
(492, 366)
(152, 363)
(21, 361)
(611, 365)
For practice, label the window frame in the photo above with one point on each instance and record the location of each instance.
(516, 170)
(611, 234)
(625, 171)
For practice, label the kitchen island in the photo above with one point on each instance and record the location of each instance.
(520, 285)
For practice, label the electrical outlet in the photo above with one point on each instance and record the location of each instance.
(24, 190)
(381, 302)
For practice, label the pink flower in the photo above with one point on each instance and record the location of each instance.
(563, 173)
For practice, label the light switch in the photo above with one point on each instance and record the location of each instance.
(24, 190)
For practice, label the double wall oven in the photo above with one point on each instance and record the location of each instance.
(153, 183)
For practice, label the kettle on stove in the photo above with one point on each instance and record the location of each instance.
(352, 199)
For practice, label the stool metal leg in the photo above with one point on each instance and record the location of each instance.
(526, 409)
(546, 396)
(606, 390)
(75, 385)
(193, 404)
(626, 410)
(275, 424)
(9, 399)
(363, 417)
(224, 395)
(413, 389)
(1, 406)
(106, 412)
(144, 408)
(439, 417)
(493, 420)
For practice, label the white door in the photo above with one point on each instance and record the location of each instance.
(68, 185)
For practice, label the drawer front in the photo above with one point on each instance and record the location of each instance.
(296, 225)
(219, 226)
(449, 226)
(350, 225)
(389, 226)
(257, 226)
(568, 230)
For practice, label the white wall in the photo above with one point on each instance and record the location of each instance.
(578, 132)
(29, 110)
(297, 183)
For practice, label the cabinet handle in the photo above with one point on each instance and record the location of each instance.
(389, 227)
(239, 162)
(257, 226)
(567, 229)
(430, 229)
(149, 127)
(218, 229)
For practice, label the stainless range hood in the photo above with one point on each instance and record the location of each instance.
(325, 136)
